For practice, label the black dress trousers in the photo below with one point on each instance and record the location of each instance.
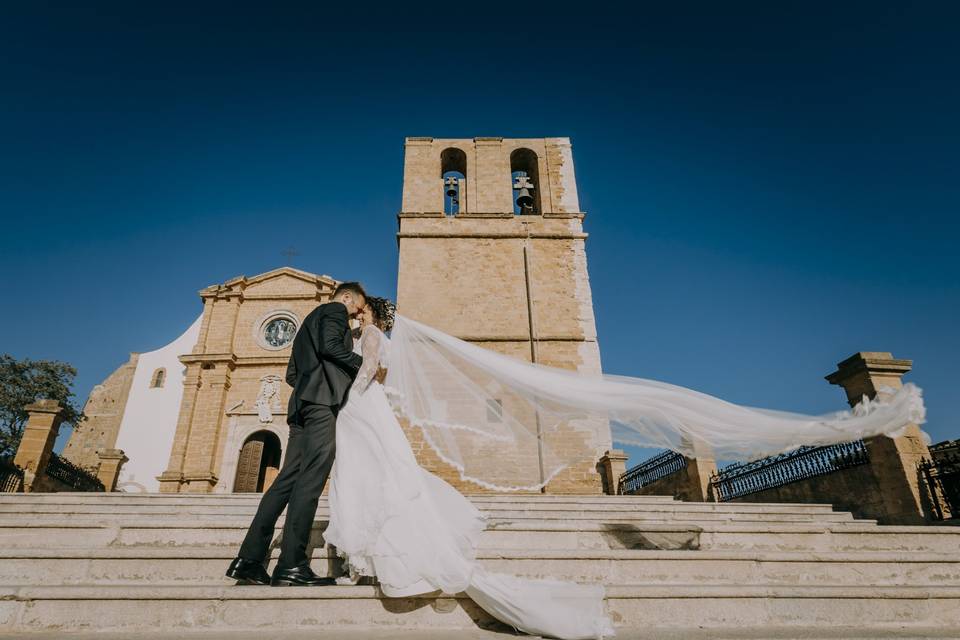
(310, 451)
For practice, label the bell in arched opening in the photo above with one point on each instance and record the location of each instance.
(453, 172)
(525, 181)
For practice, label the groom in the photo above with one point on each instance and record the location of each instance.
(322, 368)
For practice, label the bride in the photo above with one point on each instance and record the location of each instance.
(393, 520)
(414, 532)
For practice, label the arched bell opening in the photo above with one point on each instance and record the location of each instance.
(453, 172)
(525, 181)
(258, 464)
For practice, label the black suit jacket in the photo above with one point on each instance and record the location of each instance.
(322, 364)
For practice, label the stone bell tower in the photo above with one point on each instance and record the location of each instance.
(492, 251)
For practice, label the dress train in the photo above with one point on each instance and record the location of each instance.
(392, 519)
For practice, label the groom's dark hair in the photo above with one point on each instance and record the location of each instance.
(353, 287)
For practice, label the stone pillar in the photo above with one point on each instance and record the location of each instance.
(692, 483)
(899, 495)
(612, 465)
(36, 445)
(696, 480)
(111, 461)
(208, 425)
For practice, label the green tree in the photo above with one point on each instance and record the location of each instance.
(23, 382)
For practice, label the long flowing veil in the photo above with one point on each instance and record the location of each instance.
(510, 425)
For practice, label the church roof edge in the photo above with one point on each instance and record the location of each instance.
(243, 281)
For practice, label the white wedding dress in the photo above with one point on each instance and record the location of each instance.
(392, 519)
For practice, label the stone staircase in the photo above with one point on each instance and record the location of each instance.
(138, 563)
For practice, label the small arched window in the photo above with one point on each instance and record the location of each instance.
(453, 173)
(525, 181)
(158, 378)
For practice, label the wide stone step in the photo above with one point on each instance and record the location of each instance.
(599, 510)
(677, 515)
(725, 607)
(84, 500)
(706, 510)
(253, 498)
(205, 565)
(528, 534)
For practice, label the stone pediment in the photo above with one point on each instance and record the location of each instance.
(279, 283)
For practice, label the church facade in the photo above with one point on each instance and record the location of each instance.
(491, 250)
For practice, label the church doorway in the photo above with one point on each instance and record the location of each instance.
(259, 463)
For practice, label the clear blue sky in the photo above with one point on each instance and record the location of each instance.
(769, 187)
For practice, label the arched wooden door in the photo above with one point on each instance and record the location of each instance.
(258, 464)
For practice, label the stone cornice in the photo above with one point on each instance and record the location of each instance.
(579, 215)
(44, 406)
(313, 295)
(247, 361)
(495, 236)
(871, 362)
(199, 476)
(234, 288)
(234, 361)
(228, 359)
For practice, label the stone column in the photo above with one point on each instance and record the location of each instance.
(899, 496)
(692, 484)
(612, 465)
(36, 445)
(696, 480)
(111, 461)
(208, 424)
(172, 478)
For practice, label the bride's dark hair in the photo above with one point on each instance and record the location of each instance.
(383, 312)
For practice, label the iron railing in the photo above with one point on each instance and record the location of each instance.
(11, 476)
(656, 468)
(72, 475)
(739, 479)
(942, 475)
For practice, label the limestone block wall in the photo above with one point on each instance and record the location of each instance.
(488, 181)
(104, 410)
(858, 490)
(477, 275)
(45, 483)
(690, 484)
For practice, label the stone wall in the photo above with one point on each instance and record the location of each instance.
(469, 275)
(104, 411)
(863, 490)
(48, 484)
(691, 483)
(853, 490)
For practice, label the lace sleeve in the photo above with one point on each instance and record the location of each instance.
(370, 350)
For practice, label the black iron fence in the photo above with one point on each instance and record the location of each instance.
(739, 479)
(72, 475)
(942, 475)
(11, 476)
(656, 468)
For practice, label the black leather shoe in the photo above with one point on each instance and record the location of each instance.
(299, 577)
(248, 572)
